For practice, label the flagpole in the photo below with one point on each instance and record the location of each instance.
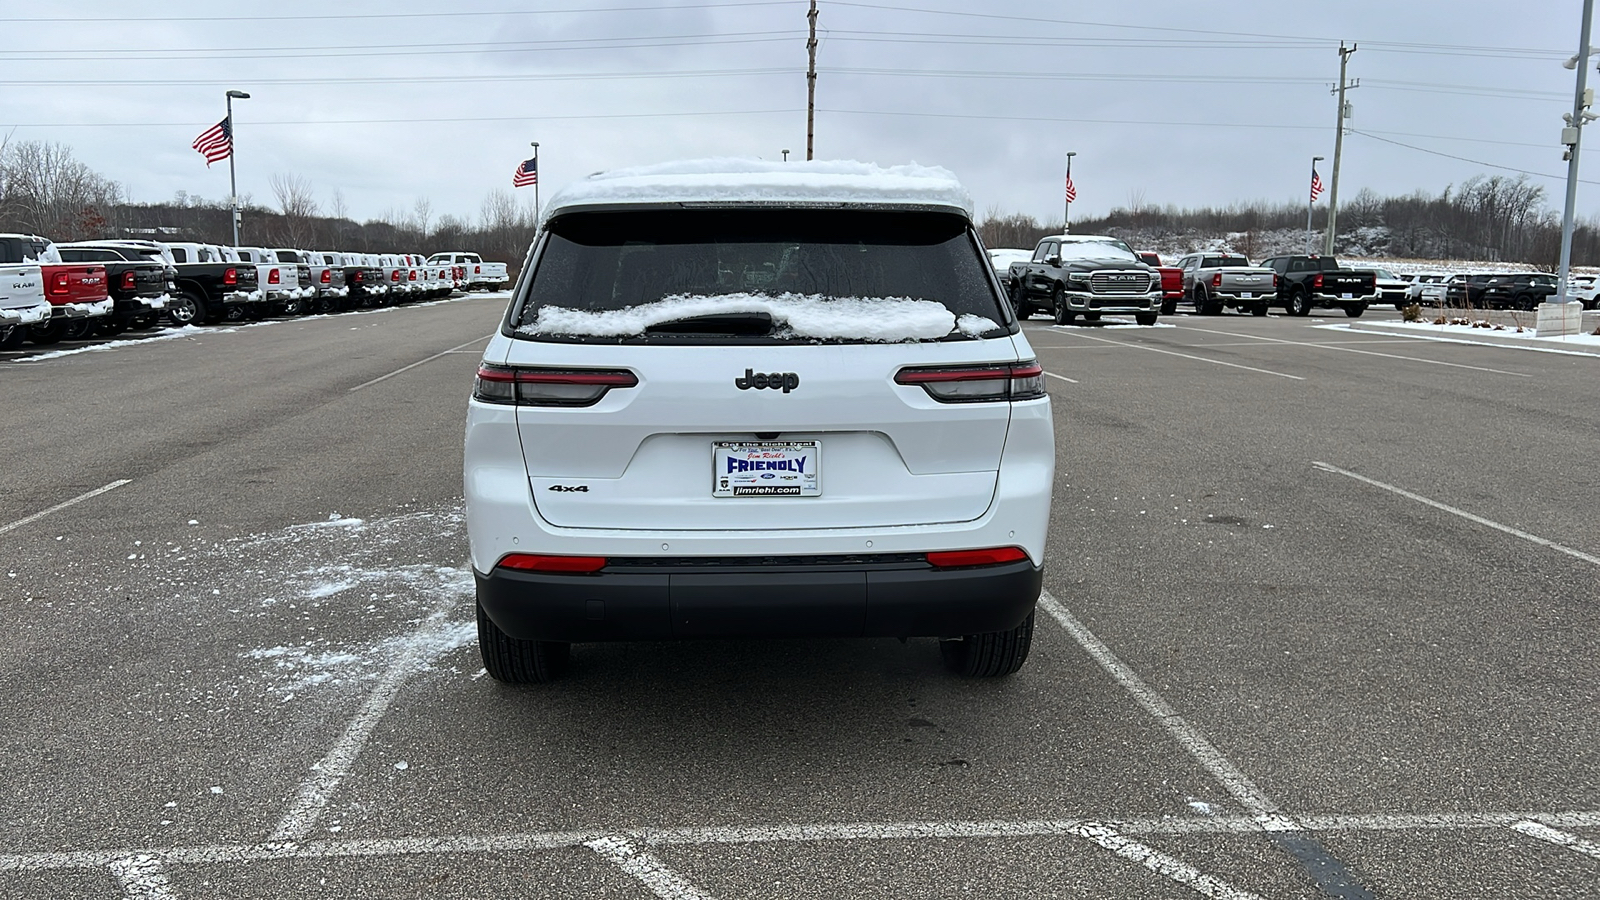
(536, 187)
(233, 182)
(1066, 224)
(1311, 202)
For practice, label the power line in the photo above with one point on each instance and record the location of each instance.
(412, 79)
(225, 20)
(1476, 162)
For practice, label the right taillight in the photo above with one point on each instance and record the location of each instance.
(960, 559)
(548, 387)
(978, 384)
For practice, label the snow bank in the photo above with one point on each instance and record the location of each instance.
(887, 319)
(728, 180)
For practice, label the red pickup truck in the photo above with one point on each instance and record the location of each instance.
(1171, 281)
(78, 292)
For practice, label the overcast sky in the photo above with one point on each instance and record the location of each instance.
(1177, 102)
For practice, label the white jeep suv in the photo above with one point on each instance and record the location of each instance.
(733, 398)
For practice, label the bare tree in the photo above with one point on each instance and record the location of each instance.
(422, 214)
(298, 208)
(43, 189)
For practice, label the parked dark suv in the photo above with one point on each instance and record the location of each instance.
(1523, 290)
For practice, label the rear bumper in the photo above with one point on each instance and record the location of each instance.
(26, 315)
(1341, 300)
(714, 599)
(90, 310)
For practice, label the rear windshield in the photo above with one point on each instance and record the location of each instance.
(759, 274)
(1220, 261)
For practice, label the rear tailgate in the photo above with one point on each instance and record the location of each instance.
(75, 283)
(21, 286)
(887, 454)
(1356, 284)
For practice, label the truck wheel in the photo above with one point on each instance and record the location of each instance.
(13, 338)
(1260, 309)
(1299, 304)
(77, 329)
(1169, 306)
(1354, 310)
(45, 332)
(989, 655)
(186, 309)
(1148, 318)
(1019, 301)
(1058, 300)
(1202, 302)
(516, 661)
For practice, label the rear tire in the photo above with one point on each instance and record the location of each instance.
(516, 661)
(1299, 304)
(991, 654)
(78, 329)
(46, 332)
(1019, 301)
(1202, 302)
(186, 309)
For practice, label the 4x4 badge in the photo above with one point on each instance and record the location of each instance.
(761, 381)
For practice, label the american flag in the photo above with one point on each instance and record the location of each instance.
(216, 142)
(527, 173)
(1072, 192)
(1316, 185)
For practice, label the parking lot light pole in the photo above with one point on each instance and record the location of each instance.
(1066, 216)
(535, 185)
(1312, 194)
(1574, 131)
(233, 148)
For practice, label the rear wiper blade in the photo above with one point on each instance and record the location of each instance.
(729, 323)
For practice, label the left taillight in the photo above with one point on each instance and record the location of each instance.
(978, 384)
(1216, 280)
(548, 387)
(327, 276)
(127, 280)
(59, 284)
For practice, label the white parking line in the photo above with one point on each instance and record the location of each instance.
(1215, 362)
(1238, 785)
(1532, 538)
(1062, 377)
(142, 877)
(417, 363)
(1329, 346)
(315, 792)
(643, 865)
(1559, 838)
(60, 506)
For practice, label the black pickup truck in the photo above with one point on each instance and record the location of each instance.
(211, 287)
(1073, 275)
(1309, 282)
(140, 287)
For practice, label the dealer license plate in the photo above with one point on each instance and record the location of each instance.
(766, 469)
(1248, 295)
(1347, 296)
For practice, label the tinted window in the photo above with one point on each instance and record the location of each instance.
(609, 260)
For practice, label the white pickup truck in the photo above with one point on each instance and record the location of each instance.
(487, 275)
(279, 281)
(22, 300)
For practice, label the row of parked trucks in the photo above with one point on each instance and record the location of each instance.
(51, 292)
(1074, 275)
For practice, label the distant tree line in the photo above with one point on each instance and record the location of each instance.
(44, 190)
(1491, 218)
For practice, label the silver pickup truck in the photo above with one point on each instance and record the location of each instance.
(1213, 281)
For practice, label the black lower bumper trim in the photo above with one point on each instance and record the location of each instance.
(891, 600)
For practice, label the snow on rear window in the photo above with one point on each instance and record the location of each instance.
(885, 319)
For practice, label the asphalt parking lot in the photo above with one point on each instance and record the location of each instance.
(1321, 621)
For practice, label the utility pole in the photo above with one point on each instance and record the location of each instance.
(1338, 146)
(811, 79)
(1572, 136)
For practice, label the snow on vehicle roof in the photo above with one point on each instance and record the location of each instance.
(885, 319)
(733, 180)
